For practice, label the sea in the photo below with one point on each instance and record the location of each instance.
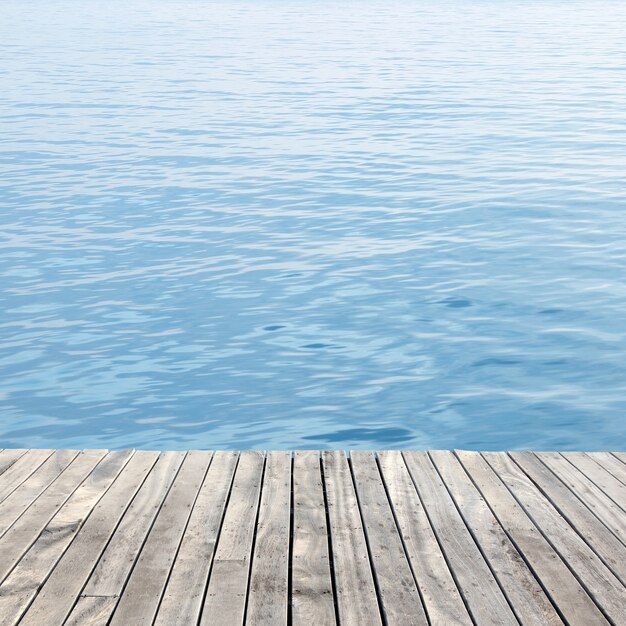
(292, 224)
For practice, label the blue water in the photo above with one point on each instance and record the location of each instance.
(313, 224)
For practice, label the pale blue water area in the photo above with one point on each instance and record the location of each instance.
(313, 224)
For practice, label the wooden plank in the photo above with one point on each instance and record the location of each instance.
(71, 548)
(602, 506)
(226, 594)
(560, 584)
(610, 464)
(621, 456)
(475, 538)
(8, 457)
(610, 485)
(357, 602)
(29, 526)
(589, 527)
(92, 611)
(268, 594)
(17, 591)
(116, 562)
(397, 590)
(140, 600)
(312, 588)
(14, 505)
(479, 588)
(524, 593)
(182, 600)
(441, 597)
(606, 590)
(20, 470)
(113, 568)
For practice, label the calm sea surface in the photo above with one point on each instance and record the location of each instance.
(313, 224)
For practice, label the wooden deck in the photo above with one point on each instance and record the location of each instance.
(132, 538)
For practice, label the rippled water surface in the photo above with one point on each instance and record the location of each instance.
(313, 224)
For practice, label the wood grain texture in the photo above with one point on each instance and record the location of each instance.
(437, 538)
(603, 507)
(26, 577)
(8, 457)
(182, 600)
(269, 578)
(113, 568)
(589, 527)
(312, 587)
(441, 597)
(524, 593)
(14, 505)
(609, 485)
(479, 588)
(620, 456)
(610, 463)
(139, 604)
(92, 611)
(357, 602)
(24, 532)
(18, 471)
(225, 600)
(75, 542)
(560, 583)
(397, 590)
(601, 584)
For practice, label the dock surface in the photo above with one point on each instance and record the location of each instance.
(133, 538)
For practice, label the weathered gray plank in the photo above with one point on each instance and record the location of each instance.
(182, 600)
(269, 585)
(621, 456)
(92, 611)
(519, 584)
(560, 584)
(21, 586)
(78, 547)
(598, 580)
(59, 513)
(312, 589)
(8, 457)
(477, 584)
(29, 526)
(20, 470)
(589, 527)
(397, 590)
(603, 507)
(611, 464)
(140, 600)
(610, 485)
(357, 601)
(27, 493)
(113, 568)
(226, 594)
(442, 599)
